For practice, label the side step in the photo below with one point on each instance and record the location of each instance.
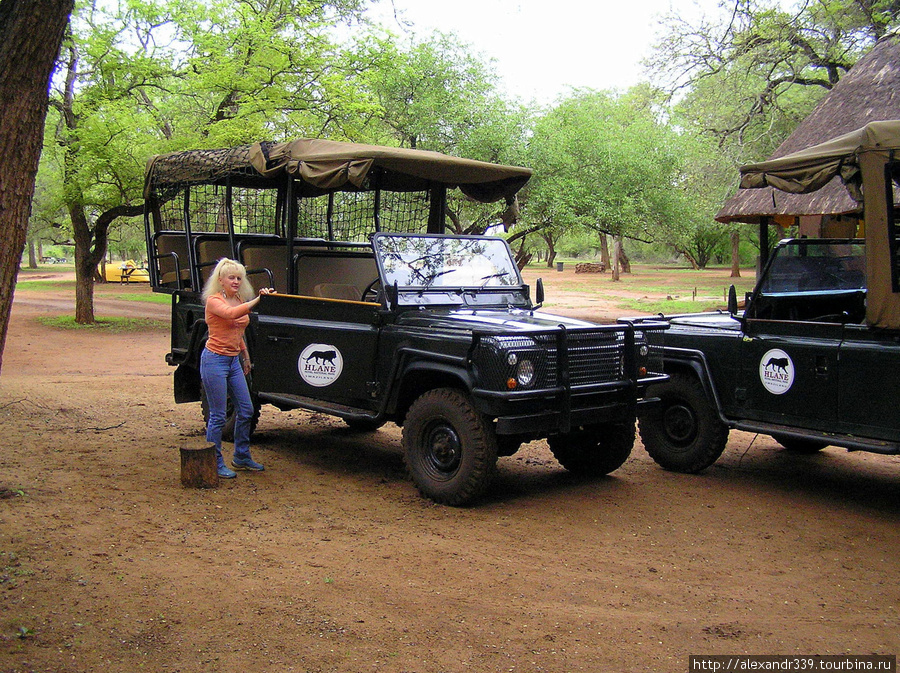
(285, 401)
(830, 438)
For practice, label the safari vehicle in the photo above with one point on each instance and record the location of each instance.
(814, 358)
(379, 316)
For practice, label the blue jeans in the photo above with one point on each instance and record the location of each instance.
(221, 375)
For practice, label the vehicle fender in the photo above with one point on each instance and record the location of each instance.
(695, 363)
(418, 376)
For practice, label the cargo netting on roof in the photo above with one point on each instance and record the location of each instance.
(171, 173)
(254, 211)
(353, 215)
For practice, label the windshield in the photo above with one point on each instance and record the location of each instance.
(815, 266)
(425, 262)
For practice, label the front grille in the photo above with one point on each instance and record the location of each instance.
(591, 356)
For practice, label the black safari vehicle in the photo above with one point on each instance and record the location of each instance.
(814, 359)
(382, 317)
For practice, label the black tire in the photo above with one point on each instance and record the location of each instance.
(683, 432)
(593, 450)
(363, 424)
(449, 449)
(799, 445)
(228, 428)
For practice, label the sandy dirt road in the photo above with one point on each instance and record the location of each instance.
(330, 560)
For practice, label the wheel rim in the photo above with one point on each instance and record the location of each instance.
(680, 424)
(442, 450)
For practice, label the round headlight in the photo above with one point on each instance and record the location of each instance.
(645, 350)
(525, 373)
(512, 359)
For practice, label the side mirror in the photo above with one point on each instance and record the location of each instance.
(538, 294)
(732, 300)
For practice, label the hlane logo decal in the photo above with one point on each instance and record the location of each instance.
(776, 371)
(320, 365)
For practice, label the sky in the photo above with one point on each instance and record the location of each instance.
(544, 47)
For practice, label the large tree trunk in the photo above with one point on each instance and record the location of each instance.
(617, 244)
(623, 260)
(30, 34)
(604, 251)
(551, 248)
(735, 253)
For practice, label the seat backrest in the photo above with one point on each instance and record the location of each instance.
(259, 257)
(337, 291)
(209, 252)
(169, 245)
(354, 270)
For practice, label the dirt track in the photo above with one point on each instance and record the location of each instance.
(330, 561)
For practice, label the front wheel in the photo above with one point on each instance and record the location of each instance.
(449, 449)
(683, 432)
(593, 450)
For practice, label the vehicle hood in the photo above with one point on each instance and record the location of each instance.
(490, 320)
(704, 321)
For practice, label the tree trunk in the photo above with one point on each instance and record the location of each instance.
(30, 34)
(604, 251)
(617, 244)
(622, 257)
(32, 255)
(84, 267)
(735, 253)
(551, 248)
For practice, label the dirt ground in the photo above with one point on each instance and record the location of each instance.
(330, 561)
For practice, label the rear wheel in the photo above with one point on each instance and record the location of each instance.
(683, 432)
(449, 449)
(593, 450)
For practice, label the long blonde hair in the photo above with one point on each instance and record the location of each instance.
(225, 266)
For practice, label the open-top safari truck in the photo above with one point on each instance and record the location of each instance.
(814, 359)
(380, 316)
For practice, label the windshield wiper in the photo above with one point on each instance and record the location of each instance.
(434, 276)
(500, 274)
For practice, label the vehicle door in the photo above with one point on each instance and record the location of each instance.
(789, 373)
(869, 384)
(319, 348)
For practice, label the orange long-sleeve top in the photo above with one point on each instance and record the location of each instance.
(226, 325)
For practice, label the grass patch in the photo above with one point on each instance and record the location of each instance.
(46, 285)
(154, 298)
(114, 325)
(669, 306)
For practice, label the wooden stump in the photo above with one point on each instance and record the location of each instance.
(198, 467)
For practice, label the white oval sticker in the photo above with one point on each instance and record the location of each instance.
(776, 371)
(320, 364)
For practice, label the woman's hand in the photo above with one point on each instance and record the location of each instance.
(267, 290)
(246, 366)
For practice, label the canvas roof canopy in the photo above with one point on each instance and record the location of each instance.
(321, 166)
(811, 169)
(859, 158)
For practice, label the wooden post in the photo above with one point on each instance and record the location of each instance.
(198, 467)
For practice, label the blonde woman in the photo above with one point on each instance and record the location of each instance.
(225, 362)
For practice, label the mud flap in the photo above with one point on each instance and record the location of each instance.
(187, 384)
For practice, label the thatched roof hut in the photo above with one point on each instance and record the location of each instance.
(870, 91)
